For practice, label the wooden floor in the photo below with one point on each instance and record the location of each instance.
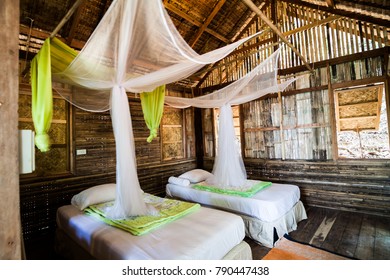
(359, 236)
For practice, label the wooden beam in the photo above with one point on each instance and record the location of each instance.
(66, 18)
(75, 23)
(206, 23)
(10, 221)
(185, 16)
(277, 31)
(311, 25)
(249, 23)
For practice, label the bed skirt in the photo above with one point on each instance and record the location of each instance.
(68, 249)
(263, 232)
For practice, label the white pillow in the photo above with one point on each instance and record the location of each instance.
(94, 195)
(179, 181)
(196, 175)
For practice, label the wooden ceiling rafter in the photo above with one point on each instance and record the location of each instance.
(250, 21)
(75, 23)
(185, 16)
(66, 17)
(206, 23)
(207, 71)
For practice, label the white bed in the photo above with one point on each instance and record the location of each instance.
(203, 234)
(275, 208)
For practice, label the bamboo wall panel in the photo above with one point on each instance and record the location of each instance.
(358, 69)
(55, 161)
(298, 128)
(172, 134)
(316, 34)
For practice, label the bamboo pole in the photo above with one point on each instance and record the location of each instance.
(66, 18)
(254, 8)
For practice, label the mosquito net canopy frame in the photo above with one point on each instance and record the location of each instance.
(135, 48)
(229, 169)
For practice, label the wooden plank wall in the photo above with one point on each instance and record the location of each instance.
(40, 197)
(357, 186)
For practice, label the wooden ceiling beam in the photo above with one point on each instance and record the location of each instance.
(75, 23)
(206, 23)
(66, 18)
(43, 35)
(250, 22)
(239, 34)
(185, 16)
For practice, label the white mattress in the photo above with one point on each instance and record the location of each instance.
(203, 234)
(267, 205)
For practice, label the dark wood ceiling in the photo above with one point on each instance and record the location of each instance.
(204, 24)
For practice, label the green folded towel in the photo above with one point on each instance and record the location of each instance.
(168, 211)
(258, 186)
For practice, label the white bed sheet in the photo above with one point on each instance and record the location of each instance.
(203, 234)
(267, 205)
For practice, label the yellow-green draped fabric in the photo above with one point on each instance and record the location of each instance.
(153, 108)
(42, 101)
(54, 56)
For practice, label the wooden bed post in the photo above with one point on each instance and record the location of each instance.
(10, 225)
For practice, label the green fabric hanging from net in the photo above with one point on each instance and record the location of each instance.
(54, 56)
(153, 107)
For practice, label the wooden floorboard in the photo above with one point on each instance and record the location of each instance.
(323, 229)
(334, 237)
(358, 236)
(366, 241)
(315, 218)
(350, 236)
(382, 240)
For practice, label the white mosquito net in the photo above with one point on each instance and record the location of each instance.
(134, 48)
(229, 170)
